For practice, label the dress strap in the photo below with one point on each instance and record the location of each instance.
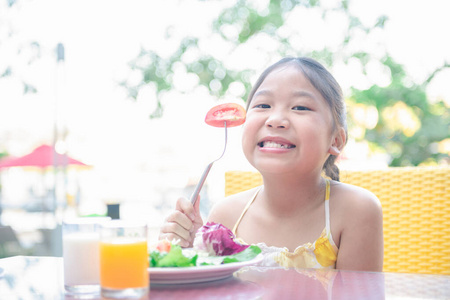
(327, 207)
(245, 210)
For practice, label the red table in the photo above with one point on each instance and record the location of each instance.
(27, 277)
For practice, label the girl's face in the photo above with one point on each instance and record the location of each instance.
(289, 125)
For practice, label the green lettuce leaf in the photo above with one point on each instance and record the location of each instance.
(174, 258)
(248, 254)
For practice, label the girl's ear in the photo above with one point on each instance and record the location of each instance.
(338, 142)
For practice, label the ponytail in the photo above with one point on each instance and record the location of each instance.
(330, 168)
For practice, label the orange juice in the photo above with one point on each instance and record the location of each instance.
(123, 263)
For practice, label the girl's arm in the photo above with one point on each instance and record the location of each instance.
(361, 239)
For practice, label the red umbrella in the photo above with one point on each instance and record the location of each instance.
(41, 157)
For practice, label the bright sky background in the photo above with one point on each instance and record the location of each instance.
(135, 158)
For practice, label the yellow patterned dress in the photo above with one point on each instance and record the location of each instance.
(321, 254)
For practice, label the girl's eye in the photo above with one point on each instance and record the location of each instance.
(262, 106)
(300, 108)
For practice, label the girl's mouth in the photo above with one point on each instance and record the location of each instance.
(272, 144)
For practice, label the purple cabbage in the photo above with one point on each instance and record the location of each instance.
(217, 239)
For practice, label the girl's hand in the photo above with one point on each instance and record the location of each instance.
(183, 223)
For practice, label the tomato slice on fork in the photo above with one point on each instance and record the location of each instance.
(231, 113)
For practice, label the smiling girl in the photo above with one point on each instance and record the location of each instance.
(301, 216)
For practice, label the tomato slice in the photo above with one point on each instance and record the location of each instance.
(163, 246)
(231, 113)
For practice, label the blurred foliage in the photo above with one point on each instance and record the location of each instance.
(396, 119)
(27, 51)
(3, 154)
(248, 22)
(159, 71)
(408, 126)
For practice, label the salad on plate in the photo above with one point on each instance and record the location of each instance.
(214, 244)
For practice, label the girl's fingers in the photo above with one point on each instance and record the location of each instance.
(172, 229)
(182, 223)
(182, 240)
(185, 206)
(180, 219)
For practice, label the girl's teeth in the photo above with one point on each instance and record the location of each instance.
(270, 144)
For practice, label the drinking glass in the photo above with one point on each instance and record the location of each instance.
(124, 260)
(81, 238)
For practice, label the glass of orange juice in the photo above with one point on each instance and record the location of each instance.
(124, 260)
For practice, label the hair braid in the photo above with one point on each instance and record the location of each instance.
(331, 170)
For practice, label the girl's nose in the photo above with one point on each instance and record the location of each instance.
(277, 121)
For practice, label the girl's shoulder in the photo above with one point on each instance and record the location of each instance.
(344, 194)
(357, 227)
(228, 210)
(348, 200)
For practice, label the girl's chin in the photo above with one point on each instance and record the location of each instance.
(274, 167)
(275, 150)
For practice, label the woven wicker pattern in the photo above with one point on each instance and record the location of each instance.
(416, 213)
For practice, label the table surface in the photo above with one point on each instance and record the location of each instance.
(27, 277)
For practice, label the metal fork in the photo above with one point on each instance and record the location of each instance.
(199, 186)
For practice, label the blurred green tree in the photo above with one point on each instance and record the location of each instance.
(3, 154)
(409, 128)
(405, 124)
(29, 52)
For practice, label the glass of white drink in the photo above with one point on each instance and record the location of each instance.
(81, 237)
